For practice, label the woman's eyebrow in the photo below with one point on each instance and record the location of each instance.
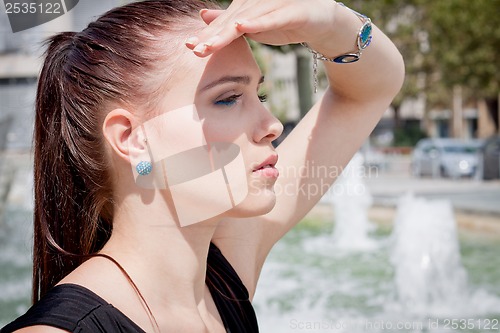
(244, 79)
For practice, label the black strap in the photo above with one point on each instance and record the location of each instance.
(229, 294)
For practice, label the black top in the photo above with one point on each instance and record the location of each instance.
(77, 309)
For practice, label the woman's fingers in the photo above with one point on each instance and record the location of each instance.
(223, 25)
(275, 22)
(208, 15)
(214, 42)
(220, 31)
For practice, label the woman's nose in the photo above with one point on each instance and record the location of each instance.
(269, 129)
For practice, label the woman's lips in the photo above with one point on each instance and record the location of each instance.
(267, 168)
(267, 171)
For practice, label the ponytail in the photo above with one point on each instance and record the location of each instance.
(70, 221)
(115, 61)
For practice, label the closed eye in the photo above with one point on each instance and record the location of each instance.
(228, 101)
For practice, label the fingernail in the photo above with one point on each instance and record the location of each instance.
(239, 23)
(200, 48)
(203, 11)
(211, 41)
(191, 41)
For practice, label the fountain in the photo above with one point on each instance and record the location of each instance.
(351, 201)
(429, 275)
(430, 279)
(411, 281)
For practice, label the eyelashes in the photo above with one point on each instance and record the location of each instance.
(228, 101)
(233, 99)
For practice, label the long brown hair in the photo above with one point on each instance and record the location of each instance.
(114, 61)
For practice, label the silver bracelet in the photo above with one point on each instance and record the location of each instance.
(363, 39)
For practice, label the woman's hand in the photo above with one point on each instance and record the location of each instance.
(330, 133)
(276, 22)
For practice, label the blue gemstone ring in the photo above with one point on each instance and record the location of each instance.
(144, 168)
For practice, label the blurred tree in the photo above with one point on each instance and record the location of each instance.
(444, 44)
(399, 21)
(465, 39)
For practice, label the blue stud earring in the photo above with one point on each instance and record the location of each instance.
(144, 168)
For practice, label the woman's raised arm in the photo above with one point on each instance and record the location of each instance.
(321, 145)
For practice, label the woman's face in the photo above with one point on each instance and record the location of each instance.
(222, 91)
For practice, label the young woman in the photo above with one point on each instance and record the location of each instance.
(157, 193)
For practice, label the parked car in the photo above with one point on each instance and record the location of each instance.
(491, 158)
(446, 157)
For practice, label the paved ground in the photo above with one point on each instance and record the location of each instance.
(476, 203)
(466, 195)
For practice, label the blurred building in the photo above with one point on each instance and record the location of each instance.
(465, 121)
(280, 70)
(20, 63)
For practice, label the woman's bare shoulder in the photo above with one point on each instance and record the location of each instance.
(40, 329)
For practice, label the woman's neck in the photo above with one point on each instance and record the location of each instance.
(165, 261)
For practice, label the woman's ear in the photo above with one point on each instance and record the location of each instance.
(118, 130)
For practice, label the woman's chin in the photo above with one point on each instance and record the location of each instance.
(255, 205)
